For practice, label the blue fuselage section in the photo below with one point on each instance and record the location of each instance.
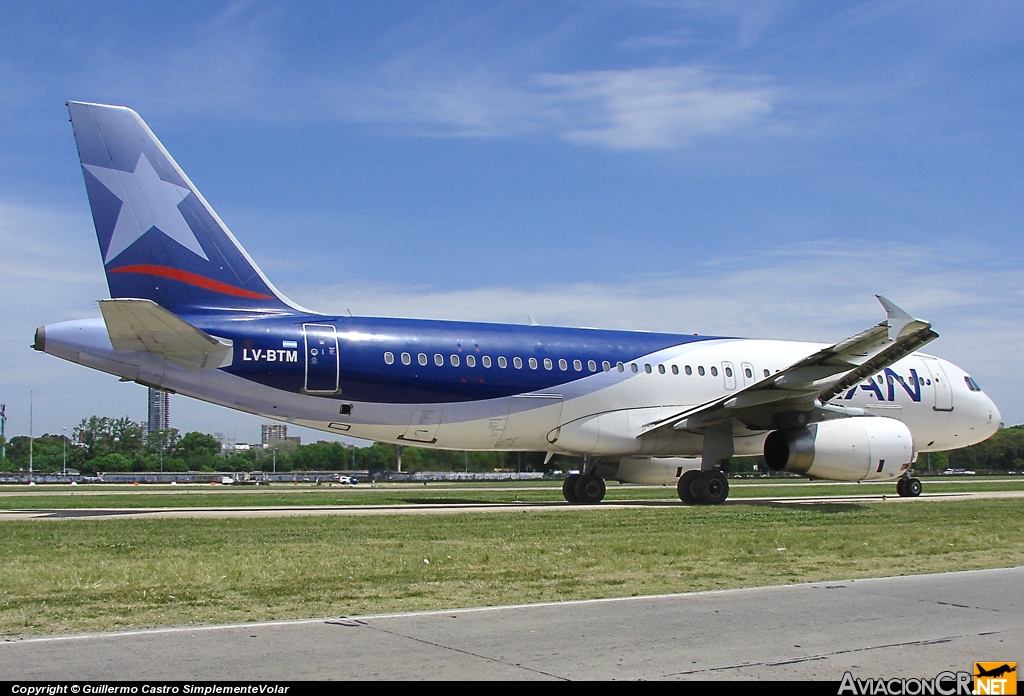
(420, 361)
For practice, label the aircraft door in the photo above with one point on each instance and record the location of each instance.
(943, 392)
(729, 375)
(322, 362)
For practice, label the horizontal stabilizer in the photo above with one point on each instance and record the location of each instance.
(143, 325)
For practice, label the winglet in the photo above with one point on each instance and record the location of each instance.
(895, 317)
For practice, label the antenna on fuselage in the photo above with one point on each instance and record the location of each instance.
(533, 322)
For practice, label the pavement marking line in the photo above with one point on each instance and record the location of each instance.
(439, 509)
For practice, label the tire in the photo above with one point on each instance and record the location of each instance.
(912, 487)
(711, 487)
(685, 487)
(589, 489)
(569, 488)
(901, 488)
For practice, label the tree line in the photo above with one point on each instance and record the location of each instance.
(100, 444)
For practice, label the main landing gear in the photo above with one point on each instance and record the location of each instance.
(709, 487)
(585, 489)
(908, 487)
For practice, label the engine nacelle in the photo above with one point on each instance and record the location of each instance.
(847, 449)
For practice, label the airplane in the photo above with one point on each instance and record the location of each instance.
(191, 313)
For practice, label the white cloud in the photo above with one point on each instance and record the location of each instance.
(647, 108)
(639, 108)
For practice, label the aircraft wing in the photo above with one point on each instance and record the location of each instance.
(144, 325)
(785, 398)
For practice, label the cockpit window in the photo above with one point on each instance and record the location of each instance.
(971, 384)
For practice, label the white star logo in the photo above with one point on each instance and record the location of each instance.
(148, 201)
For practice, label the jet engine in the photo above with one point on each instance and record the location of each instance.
(848, 449)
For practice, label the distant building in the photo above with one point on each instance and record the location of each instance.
(159, 411)
(273, 432)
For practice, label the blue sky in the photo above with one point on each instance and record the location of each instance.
(744, 168)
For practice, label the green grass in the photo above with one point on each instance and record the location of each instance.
(210, 496)
(79, 575)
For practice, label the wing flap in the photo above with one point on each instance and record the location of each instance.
(143, 325)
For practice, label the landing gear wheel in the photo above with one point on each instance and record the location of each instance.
(711, 487)
(908, 487)
(685, 487)
(589, 489)
(569, 488)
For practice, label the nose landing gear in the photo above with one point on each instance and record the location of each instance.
(908, 487)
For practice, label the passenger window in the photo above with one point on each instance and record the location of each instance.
(389, 358)
(486, 360)
(606, 366)
(747, 371)
(700, 370)
(406, 359)
(547, 364)
(714, 371)
(533, 363)
(688, 370)
(470, 361)
(633, 367)
(422, 358)
(766, 373)
(661, 369)
(438, 359)
(517, 362)
(455, 361)
(728, 372)
(647, 368)
(502, 362)
(675, 369)
(562, 365)
(592, 366)
(620, 367)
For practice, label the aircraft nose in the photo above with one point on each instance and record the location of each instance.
(995, 418)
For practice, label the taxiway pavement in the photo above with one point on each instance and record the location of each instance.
(914, 626)
(449, 508)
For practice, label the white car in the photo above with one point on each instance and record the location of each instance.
(227, 480)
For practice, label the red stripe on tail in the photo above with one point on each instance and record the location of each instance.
(192, 279)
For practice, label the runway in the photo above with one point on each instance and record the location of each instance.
(451, 508)
(913, 626)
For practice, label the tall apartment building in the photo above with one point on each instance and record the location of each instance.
(273, 432)
(159, 410)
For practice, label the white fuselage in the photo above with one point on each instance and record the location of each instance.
(601, 414)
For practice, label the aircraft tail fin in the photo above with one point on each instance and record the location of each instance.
(159, 238)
